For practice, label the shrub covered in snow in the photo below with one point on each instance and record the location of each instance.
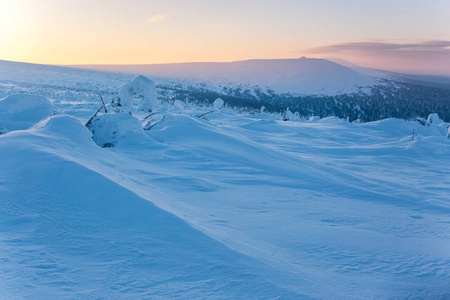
(178, 105)
(290, 116)
(141, 89)
(21, 111)
(434, 119)
(108, 129)
(218, 104)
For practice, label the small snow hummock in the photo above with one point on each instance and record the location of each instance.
(108, 129)
(142, 89)
(178, 105)
(434, 119)
(21, 111)
(290, 116)
(218, 104)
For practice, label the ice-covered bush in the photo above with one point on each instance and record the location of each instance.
(434, 119)
(108, 129)
(218, 104)
(140, 90)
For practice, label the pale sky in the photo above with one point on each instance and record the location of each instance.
(401, 35)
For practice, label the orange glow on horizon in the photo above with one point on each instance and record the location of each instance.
(62, 32)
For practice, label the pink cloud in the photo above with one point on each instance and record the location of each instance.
(426, 57)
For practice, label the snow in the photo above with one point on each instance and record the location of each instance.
(309, 76)
(178, 105)
(142, 89)
(18, 112)
(218, 104)
(434, 118)
(232, 206)
(109, 129)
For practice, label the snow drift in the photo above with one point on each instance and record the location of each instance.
(68, 231)
(19, 112)
(231, 206)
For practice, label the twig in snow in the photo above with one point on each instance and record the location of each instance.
(149, 116)
(103, 102)
(149, 126)
(103, 106)
(90, 120)
(204, 114)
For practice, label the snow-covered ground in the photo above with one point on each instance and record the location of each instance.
(228, 205)
(307, 76)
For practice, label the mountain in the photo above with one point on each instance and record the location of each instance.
(309, 87)
(302, 76)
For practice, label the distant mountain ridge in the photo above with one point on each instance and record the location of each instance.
(301, 76)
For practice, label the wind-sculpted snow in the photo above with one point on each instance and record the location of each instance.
(18, 112)
(69, 232)
(194, 202)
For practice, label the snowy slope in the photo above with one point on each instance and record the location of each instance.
(303, 75)
(227, 206)
(56, 75)
(68, 231)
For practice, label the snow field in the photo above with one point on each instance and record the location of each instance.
(226, 206)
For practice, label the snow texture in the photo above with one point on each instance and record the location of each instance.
(238, 206)
(18, 112)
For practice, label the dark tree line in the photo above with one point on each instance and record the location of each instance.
(400, 100)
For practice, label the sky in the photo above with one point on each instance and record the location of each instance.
(407, 36)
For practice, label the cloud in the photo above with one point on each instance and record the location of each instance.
(157, 18)
(425, 57)
(377, 47)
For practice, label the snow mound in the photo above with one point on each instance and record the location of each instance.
(65, 126)
(141, 89)
(179, 105)
(71, 232)
(218, 104)
(2, 94)
(21, 111)
(108, 129)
